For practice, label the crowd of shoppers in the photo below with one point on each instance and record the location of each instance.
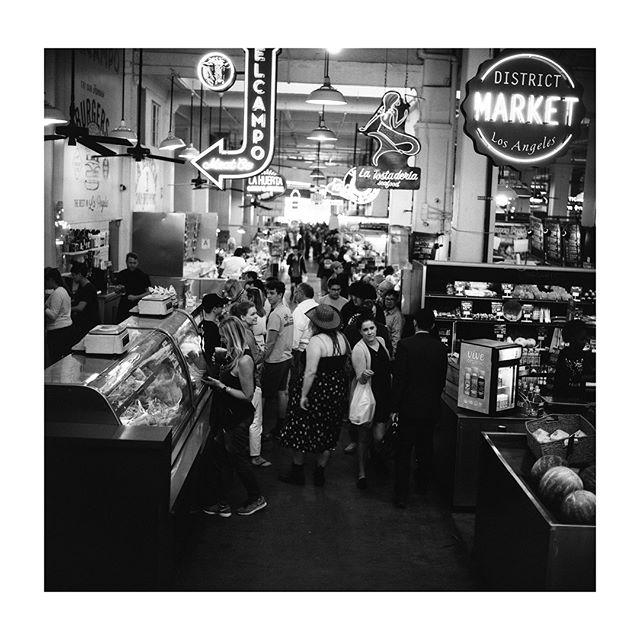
(307, 370)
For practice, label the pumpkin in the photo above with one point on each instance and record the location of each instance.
(543, 464)
(556, 484)
(579, 507)
(588, 477)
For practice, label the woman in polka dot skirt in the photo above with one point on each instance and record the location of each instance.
(317, 400)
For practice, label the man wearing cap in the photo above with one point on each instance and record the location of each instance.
(419, 374)
(212, 307)
(338, 272)
(278, 351)
(301, 324)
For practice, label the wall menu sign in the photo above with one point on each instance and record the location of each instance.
(256, 152)
(522, 109)
(390, 169)
(268, 182)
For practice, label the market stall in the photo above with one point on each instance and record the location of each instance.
(122, 434)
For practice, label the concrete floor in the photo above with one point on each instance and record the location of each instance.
(335, 538)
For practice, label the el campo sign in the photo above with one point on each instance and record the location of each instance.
(256, 152)
(522, 109)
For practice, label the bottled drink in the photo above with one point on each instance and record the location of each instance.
(481, 383)
(473, 390)
(467, 381)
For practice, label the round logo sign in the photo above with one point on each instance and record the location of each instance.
(522, 109)
(216, 71)
(351, 193)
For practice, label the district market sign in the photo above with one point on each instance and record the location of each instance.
(522, 109)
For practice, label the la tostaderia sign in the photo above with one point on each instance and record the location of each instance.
(522, 109)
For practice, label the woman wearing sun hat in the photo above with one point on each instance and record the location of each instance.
(318, 399)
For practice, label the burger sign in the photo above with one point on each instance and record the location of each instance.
(522, 109)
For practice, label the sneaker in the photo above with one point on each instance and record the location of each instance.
(222, 510)
(259, 461)
(351, 448)
(252, 507)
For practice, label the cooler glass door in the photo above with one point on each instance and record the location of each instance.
(507, 383)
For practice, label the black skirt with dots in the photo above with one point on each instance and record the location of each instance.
(318, 429)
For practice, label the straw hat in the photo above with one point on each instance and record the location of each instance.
(324, 316)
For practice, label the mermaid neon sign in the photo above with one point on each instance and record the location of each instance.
(390, 169)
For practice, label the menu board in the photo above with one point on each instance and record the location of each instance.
(571, 245)
(537, 236)
(553, 241)
(423, 246)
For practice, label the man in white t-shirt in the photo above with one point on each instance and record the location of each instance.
(277, 352)
(301, 324)
(233, 266)
(334, 297)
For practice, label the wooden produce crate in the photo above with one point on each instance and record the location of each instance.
(519, 544)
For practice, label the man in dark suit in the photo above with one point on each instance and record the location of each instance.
(419, 375)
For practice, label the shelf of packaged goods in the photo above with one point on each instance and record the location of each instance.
(442, 296)
(519, 323)
(84, 251)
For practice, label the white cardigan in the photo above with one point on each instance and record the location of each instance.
(361, 358)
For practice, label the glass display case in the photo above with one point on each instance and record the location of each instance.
(180, 327)
(149, 385)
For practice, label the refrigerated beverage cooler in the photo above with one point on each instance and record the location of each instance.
(488, 381)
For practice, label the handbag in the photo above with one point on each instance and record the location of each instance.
(363, 404)
(389, 442)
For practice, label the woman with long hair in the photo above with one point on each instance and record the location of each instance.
(317, 400)
(248, 315)
(371, 362)
(233, 413)
(57, 316)
(259, 329)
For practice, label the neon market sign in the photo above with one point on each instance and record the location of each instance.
(522, 109)
(216, 71)
(218, 163)
(268, 182)
(395, 146)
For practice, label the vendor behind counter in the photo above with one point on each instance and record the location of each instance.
(575, 367)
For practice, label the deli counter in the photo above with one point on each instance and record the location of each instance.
(122, 435)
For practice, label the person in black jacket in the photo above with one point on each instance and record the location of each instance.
(133, 285)
(419, 375)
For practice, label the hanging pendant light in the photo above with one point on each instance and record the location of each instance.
(123, 131)
(190, 152)
(171, 142)
(326, 94)
(322, 133)
(315, 172)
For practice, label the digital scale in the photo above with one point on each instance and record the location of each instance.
(107, 339)
(155, 304)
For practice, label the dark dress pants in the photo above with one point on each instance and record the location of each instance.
(413, 433)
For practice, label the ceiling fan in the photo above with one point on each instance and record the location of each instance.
(138, 152)
(254, 201)
(75, 133)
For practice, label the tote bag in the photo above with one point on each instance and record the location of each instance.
(363, 404)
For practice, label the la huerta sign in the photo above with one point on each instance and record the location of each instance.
(522, 109)
(390, 169)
